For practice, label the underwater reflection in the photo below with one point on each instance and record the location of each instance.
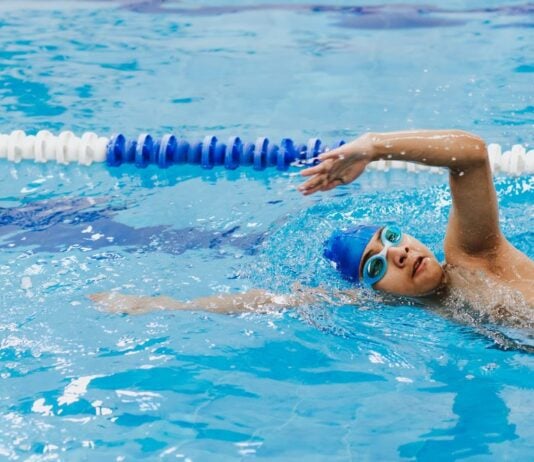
(482, 418)
(377, 17)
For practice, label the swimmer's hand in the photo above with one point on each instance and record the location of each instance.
(115, 302)
(339, 166)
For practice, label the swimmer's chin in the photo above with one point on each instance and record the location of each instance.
(440, 289)
(435, 288)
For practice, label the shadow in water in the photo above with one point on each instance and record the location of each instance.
(57, 225)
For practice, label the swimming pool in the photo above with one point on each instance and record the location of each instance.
(317, 383)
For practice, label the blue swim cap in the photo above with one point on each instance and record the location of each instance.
(345, 249)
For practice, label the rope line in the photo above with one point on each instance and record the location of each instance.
(209, 152)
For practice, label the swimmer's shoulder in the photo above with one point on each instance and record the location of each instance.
(479, 285)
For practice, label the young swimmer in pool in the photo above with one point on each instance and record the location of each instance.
(483, 271)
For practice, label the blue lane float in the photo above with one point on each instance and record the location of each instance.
(209, 152)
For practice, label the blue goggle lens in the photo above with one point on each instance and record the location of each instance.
(391, 234)
(376, 267)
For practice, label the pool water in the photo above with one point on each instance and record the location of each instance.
(338, 383)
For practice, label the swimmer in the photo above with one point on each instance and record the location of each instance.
(482, 270)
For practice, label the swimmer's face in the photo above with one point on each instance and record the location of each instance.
(412, 269)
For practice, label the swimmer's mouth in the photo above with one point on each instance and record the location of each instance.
(417, 264)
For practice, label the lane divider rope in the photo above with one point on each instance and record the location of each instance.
(209, 152)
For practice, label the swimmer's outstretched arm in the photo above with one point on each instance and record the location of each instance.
(474, 222)
(255, 300)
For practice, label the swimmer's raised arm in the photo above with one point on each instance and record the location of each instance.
(473, 225)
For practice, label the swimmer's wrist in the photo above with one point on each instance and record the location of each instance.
(373, 142)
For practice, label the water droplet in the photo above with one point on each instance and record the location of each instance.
(26, 283)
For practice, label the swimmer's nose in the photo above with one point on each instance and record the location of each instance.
(399, 255)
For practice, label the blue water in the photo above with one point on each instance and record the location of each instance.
(317, 383)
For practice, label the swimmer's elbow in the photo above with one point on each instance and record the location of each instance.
(473, 146)
(470, 151)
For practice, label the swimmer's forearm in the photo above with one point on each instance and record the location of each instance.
(251, 301)
(258, 300)
(454, 149)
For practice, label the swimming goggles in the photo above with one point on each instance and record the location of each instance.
(376, 266)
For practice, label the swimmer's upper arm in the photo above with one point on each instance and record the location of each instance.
(473, 227)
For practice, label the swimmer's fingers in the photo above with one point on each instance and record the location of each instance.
(333, 184)
(114, 302)
(324, 185)
(331, 155)
(312, 170)
(323, 167)
(319, 176)
(313, 183)
(319, 183)
(307, 192)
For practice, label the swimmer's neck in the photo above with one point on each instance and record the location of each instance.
(473, 286)
(434, 299)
